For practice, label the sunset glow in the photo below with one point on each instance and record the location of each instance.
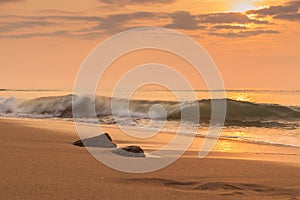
(241, 97)
(242, 6)
(246, 38)
(150, 99)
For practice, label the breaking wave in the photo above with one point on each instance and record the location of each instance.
(239, 113)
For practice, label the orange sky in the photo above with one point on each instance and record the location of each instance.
(254, 43)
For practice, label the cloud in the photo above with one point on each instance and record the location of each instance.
(243, 34)
(12, 26)
(290, 7)
(183, 20)
(235, 27)
(18, 22)
(55, 17)
(118, 22)
(32, 35)
(288, 11)
(57, 11)
(74, 18)
(89, 27)
(132, 2)
(9, 1)
(290, 17)
(228, 18)
(112, 21)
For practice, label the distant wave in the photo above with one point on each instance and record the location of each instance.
(29, 90)
(239, 113)
(242, 90)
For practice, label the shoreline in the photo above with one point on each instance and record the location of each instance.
(38, 161)
(71, 121)
(248, 145)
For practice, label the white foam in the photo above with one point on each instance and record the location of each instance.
(8, 105)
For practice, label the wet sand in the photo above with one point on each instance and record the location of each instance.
(38, 161)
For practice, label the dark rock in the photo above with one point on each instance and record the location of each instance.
(67, 113)
(103, 141)
(130, 151)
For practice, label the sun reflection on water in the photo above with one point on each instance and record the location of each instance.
(225, 146)
(241, 97)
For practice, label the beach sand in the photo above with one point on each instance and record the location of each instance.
(38, 161)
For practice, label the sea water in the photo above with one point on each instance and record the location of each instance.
(268, 116)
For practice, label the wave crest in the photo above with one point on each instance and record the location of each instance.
(238, 112)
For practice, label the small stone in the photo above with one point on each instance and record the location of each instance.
(130, 151)
(103, 141)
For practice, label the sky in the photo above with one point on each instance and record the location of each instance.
(255, 43)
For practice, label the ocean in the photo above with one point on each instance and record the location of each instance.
(264, 116)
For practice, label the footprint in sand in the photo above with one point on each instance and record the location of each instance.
(223, 188)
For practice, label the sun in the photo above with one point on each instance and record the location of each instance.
(243, 6)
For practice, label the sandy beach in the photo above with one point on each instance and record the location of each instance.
(38, 161)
